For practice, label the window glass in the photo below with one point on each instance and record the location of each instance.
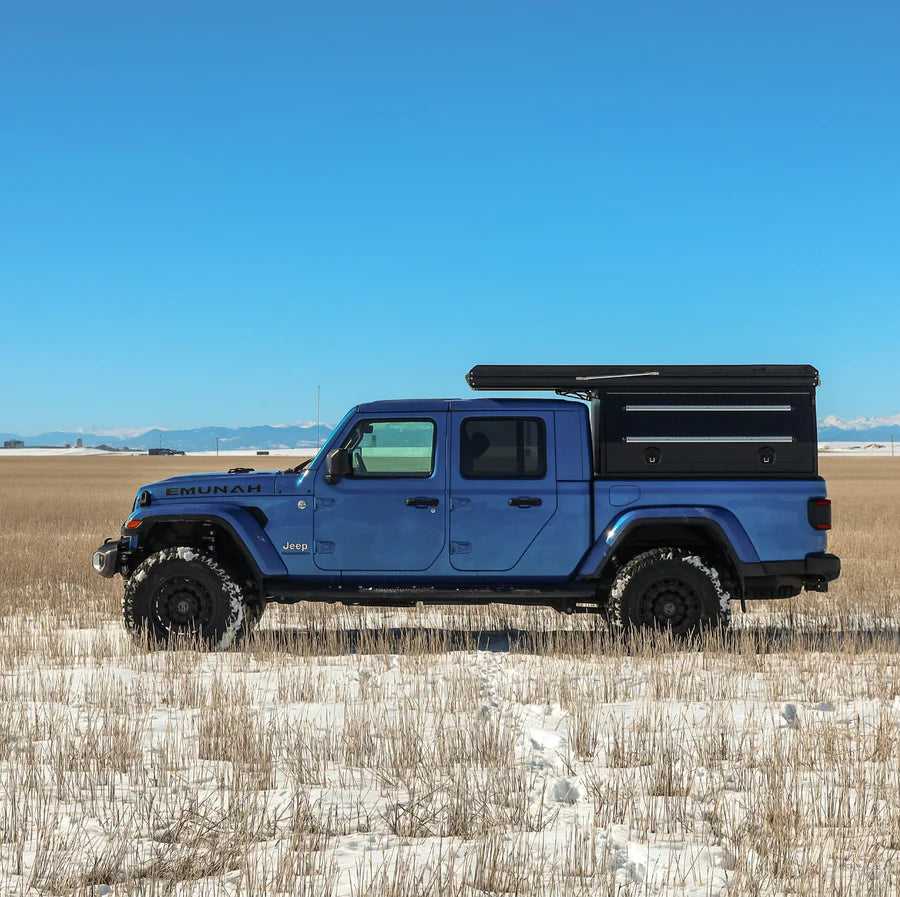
(503, 447)
(392, 448)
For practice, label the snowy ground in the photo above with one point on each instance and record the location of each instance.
(369, 754)
(54, 452)
(859, 449)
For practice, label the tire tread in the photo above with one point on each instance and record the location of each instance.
(618, 605)
(236, 624)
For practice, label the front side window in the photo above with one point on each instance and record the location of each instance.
(503, 447)
(391, 448)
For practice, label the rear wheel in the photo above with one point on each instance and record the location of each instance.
(182, 592)
(672, 589)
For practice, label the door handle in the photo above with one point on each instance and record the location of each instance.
(422, 502)
(525, 501)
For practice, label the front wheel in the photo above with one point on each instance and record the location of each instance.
(182, 592)
(670, 588)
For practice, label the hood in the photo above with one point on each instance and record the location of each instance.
(211, 486)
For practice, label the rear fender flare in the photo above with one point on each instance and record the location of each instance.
(721, 524)
(238, 522)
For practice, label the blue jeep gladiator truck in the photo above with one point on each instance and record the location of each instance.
(656, 495)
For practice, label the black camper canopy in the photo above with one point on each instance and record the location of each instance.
(601, 378)
(730, 420)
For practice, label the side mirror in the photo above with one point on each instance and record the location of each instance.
(337, 465)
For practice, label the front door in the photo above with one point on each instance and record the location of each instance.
(389, 514)
(502, 487)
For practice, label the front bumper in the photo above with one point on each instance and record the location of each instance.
(105, 559)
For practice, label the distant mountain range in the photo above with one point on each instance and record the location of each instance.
(301, 436)
(859, 429)
(197, 440)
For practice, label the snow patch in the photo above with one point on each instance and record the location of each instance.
(789, 715)
(568, 791)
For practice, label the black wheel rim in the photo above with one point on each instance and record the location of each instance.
(184, 604)
(671, 604)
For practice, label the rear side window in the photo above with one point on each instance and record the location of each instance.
(503, 447)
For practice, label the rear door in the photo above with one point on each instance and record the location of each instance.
(389, 514)
(502, 486)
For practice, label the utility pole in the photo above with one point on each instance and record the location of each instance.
(318, 414)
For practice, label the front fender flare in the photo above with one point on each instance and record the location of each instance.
(243, 527)
(720, 523)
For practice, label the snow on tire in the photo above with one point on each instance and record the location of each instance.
(670, 588)
(183, 592)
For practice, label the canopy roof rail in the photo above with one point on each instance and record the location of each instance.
(585, 381)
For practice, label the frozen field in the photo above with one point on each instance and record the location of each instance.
(490, 751)
(859, 449)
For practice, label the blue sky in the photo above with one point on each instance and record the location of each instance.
(209, 209)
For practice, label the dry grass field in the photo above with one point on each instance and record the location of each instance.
(486, 751)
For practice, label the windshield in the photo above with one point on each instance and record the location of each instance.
(324, 449)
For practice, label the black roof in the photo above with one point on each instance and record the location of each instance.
(601, 378)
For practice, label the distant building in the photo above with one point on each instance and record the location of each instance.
(13, 443)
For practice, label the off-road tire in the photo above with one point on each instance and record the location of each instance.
(672, 589)
(183, 593)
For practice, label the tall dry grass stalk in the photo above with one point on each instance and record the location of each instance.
(458, 751)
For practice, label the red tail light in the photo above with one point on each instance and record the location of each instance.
(818, 511)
